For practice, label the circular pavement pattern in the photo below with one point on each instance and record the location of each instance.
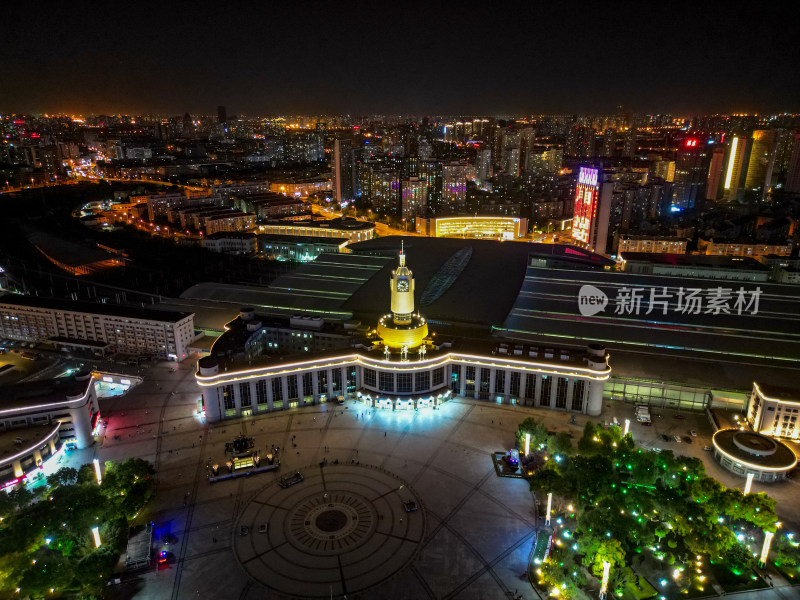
(343, 529)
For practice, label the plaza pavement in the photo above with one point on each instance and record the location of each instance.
(479, 528)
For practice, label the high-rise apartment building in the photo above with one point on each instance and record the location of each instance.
(793, 168)
(609, 143)
(414, 197)
(733, 186)
(454, 185)
(343, 185)
(579, 141)
(691, 173)
(761, 163)
(431, 172)
(715, 171)
(483, 166)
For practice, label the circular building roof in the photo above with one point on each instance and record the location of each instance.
(754, 450)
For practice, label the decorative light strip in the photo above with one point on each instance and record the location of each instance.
(32, 448)
(347, 360)
(731, 160)
(748, 464)
(51, 404)
(778, 400)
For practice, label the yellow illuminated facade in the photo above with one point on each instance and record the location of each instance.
(402, 327)
(494, 227)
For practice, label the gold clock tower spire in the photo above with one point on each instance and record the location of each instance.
(402, 327)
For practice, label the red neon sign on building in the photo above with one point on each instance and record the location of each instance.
(585, 204)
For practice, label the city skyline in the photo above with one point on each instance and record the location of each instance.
(442, 60)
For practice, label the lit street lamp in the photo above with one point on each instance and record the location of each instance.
(604, 584)
(96, 535)
(97, 471)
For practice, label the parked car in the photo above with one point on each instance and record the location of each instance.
(708, 448)
(693, 433)
(289, 480)
(665, 437)
(677, 438)
(657, 450)
(244, 530)
(410, 506)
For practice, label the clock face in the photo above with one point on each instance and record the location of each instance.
(402, 285)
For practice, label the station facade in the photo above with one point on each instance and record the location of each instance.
(400, 365)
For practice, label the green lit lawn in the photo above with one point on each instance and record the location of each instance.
(641, 591)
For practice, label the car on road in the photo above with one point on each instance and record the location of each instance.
(410, 506)
(289, 480)
(657, 450)
(163, 559)
(708, 448)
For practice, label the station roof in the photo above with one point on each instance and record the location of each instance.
(547, 308)
(482, 292)
(318, 288)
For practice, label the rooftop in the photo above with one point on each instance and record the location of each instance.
(226, 235)
(343, 223)
(48, 391)
(696, 260)
(114, 310)
(30, 436)
(754, 449)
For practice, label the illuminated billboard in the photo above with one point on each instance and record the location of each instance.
(585, 204)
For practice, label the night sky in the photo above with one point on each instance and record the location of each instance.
(292, 57)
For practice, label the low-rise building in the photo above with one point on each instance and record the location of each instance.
(127, 330)
(296, 247)
(486, 227)
(733, 268)
(653, 245)
(231, 220)
(231, 242)
(341, 228)
(744, 248)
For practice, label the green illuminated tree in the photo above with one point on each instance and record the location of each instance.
(587, 445)
(608, 550)
(560, 443)
(537, 430)
(739, 558)
(64, 476)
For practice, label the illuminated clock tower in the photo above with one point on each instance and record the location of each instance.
(401, 285)
(402, 327)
